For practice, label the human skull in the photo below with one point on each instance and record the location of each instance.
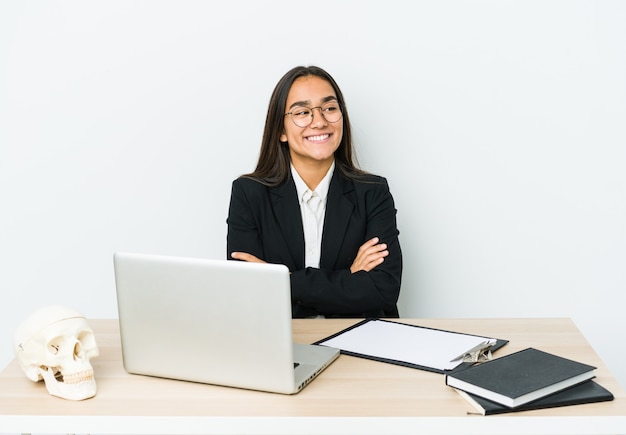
(56, 344)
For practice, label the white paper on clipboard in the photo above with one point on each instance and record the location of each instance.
(421, 346)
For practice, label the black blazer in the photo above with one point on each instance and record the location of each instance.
(267, 222)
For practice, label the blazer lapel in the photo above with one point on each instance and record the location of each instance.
(287, 211)
(338, 213)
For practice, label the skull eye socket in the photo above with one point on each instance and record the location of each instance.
(54, 345)
(61, 344)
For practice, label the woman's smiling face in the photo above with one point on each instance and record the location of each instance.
(317, 142)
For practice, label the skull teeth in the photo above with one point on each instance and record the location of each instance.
(76, 378)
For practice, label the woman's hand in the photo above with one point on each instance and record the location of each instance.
(244, 256)
(370, 255)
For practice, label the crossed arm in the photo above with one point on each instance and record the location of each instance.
(370, 254)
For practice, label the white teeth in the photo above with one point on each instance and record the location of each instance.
(317, 138)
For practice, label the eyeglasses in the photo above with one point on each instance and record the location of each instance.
(302, 116)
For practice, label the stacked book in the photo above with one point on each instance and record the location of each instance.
(528, 379)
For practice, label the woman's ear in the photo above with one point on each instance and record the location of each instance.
(283, 137)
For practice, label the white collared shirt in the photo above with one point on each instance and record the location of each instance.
(312, 216)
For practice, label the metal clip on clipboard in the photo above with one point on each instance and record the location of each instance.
(479, 353)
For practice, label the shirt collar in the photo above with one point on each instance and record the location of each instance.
(321, 189)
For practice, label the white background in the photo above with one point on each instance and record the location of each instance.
(499, 125)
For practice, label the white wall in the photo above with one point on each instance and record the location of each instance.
(500, 126)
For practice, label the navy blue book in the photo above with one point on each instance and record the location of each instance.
(521, 377)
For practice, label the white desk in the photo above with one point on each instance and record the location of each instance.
(352, 396)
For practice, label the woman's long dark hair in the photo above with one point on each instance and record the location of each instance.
(273, 166)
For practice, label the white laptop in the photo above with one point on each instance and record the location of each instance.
(212, 321)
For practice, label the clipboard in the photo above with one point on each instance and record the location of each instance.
(418, 347)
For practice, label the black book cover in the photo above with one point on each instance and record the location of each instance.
(521, 377)
(587, 392)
